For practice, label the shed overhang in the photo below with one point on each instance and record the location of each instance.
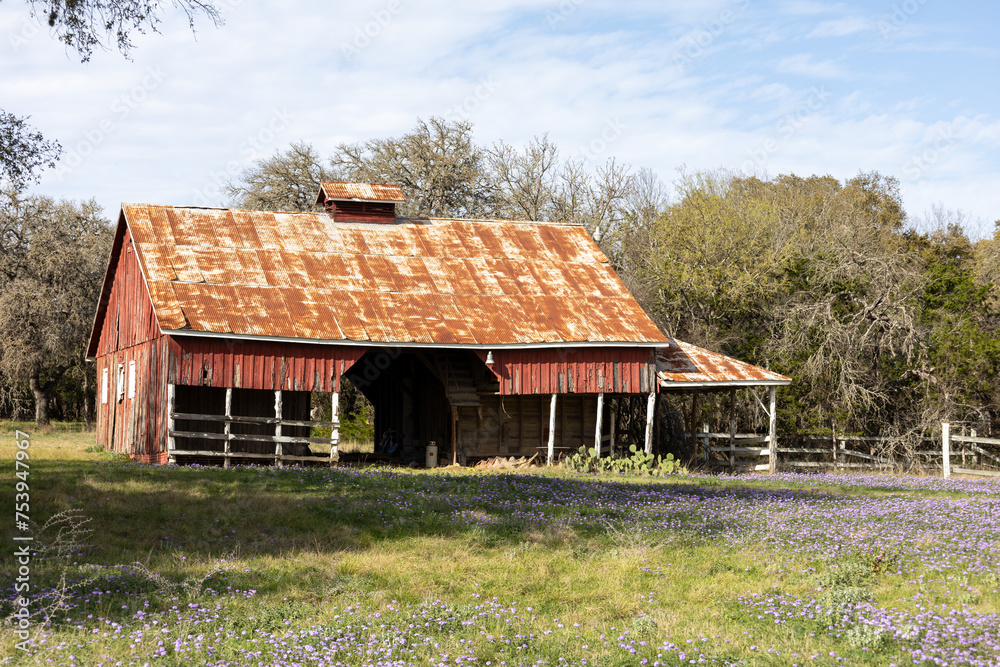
(681, 365)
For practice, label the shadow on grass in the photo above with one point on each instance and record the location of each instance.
(138, 510)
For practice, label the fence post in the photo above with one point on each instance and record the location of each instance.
(650, 414)
(171, 443)
(772, 432)
(975, 455)
(335, 429)
(946, 448)
(278, 450)
(228, 429)
(833, 437)
(600, 424)
(552, 431)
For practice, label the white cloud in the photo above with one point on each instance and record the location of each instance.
(841, 27)
(803, 64)
(515, 75)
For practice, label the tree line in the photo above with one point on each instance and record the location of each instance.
(884, 329)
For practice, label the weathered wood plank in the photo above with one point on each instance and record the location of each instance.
(802, 450)
(850, 452)
(741, 450)
(971, 471)
(246, 437)
(240, 419)
(250, 455)
(981, 441)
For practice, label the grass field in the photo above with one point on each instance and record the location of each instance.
(319, 566)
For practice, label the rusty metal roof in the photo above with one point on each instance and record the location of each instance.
(681, 364)
(377, 192)
(428, 281)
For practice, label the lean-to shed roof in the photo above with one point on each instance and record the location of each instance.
(681, 364)
(427, 281)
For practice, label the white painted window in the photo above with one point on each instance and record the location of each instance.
(131, 379)
(104, 385)
(120, 385)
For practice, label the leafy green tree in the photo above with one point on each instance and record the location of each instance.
(52, 263)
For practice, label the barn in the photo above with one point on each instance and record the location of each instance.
(215, 327)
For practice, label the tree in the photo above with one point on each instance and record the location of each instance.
(23, 152)
(84, 24)
(525, 184)
(52, 263)
(439, 167)
(286, 181)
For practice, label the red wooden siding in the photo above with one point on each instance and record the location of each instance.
(128, 312)
(259, 365)
(128, 332)
(134, 425)
(575, 370)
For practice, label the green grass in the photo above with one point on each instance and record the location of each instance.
(318, 553)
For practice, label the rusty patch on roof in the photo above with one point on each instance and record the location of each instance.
(436, 281)
(377, 192)
(682, 363)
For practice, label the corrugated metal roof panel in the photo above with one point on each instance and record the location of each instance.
(251, 271)
(349, 319)
(158, 267)
(682, 362)
(168, 310)
(273, 267)
(252, 302)
(298, 268)
(426, 281)
(363, 191)
(183, 260)
(303, 232)
(244, 224)
(265, 227)
(227, 235)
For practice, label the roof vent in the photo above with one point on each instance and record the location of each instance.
(360, 202)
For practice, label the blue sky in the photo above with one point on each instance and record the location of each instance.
(906, 88)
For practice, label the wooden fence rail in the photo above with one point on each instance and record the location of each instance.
(228, 437)
(845, 452)
(946, 448)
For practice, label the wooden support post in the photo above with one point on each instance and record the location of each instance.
(277, 428)
(706, 442)
(171, 443)
(694, 429)
(454, 436)
(600, 423)
(962, 446)
(772, 432)
(946, 448)
(228, 429)
(833, 437)
(335, 430)
(732, 443)
(975, 456)
(552, 431)
(650, 410)
(732, 428)
(611, 441)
